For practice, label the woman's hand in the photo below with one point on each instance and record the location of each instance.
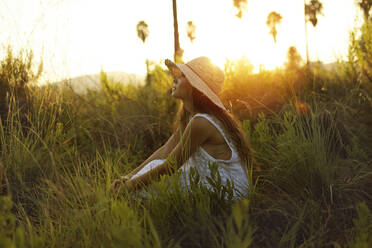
(126, 177)
(116, 185)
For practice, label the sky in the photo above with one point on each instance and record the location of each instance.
(77, 37)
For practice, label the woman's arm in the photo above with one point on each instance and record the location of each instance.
(196, 133)
(161, 153)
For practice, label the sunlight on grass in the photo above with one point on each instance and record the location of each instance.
(310, 130)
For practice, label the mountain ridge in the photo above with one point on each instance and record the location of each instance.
(81, 84)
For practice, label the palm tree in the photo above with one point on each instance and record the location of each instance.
(142, 33)
(178, 52)
(312, 10)
(241, 6)
(365, 5)
(273, 19)
(190, 29)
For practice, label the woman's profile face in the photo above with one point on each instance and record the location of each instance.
(181, 88)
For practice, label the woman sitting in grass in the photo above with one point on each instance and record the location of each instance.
(205, 133)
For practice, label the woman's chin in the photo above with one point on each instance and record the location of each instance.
(174, 94)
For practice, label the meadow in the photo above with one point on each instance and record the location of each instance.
(310, 129)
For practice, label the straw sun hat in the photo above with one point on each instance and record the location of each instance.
(202, 75)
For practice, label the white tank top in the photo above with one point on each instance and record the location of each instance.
(231, 169)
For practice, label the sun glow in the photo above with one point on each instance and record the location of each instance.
(82, 36)
(224, 35)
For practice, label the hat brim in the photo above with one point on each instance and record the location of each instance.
(173, 68)
(194, 80)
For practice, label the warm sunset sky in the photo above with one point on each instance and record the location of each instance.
(79, 36)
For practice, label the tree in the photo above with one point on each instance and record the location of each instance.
(142, 33)
(312, 10)
(178, 52)
(190, 29)
(293, 59)
(241, 6)
(365, 5)
(273, 19)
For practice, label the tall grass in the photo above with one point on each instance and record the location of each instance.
(310, 132)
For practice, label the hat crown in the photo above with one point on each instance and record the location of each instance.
(208, 72)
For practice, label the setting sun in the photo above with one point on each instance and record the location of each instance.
(81, 37)
(226, 36)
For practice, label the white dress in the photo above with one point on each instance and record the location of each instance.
(230, 169)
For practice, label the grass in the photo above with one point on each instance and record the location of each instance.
(310, 131)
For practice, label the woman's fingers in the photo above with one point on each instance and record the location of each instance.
(116, 184)
(125, 178)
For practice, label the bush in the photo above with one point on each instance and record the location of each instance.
(16, 73)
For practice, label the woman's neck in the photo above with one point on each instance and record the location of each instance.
(189, 107)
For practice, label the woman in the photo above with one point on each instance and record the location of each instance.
(204, 133)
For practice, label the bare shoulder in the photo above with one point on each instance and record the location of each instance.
(198, 130)
(201, 124)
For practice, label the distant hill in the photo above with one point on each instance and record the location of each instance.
(80, 84)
